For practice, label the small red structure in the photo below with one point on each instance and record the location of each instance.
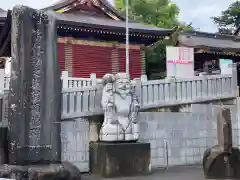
(91, 38)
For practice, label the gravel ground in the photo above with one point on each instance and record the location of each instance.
(176, 173)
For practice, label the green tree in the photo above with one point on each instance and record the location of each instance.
(229, 19)
(160, 13)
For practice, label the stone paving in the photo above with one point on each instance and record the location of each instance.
(177, 173)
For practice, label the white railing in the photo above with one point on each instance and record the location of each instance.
(157, 93)
(67, 82)
(73, 82)
(4, 80)
(85, 100)
(154, 93)
(79, 102)
(76, 82)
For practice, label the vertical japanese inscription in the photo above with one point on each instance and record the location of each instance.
(35, 123)
(36, 64)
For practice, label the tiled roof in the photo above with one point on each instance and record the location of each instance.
(88, 20)
(211, 40)
(85, 20)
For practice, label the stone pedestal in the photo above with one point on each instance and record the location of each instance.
(119, 159)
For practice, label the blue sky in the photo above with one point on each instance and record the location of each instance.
(196, 11)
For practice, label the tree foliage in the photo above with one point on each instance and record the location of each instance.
(160, 13)
(229, 19)
(156, 12)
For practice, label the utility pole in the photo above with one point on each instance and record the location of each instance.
(127, 37)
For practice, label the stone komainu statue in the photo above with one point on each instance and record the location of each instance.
(121, 107)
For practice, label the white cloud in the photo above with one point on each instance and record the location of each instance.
(200, 12)
(203, 11)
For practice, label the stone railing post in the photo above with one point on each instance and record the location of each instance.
(139, 89)
(64, 78)
(234, 80)
(2, 80)
(173, 89)
(204, 86)
(93, 78)
(144, 78)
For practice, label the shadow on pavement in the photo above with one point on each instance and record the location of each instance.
(173, 173)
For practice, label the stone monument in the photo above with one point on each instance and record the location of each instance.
(35, 99)
(118, 153)
(121, 108)
(222, 160)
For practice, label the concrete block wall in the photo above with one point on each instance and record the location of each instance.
(177, 138)
(235, 118)
(181, 138)
(75, 143)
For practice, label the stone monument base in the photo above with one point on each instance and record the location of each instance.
(119, 159)
(219, 164)
(64, 171)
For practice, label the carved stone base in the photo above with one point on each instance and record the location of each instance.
(119, 159)
(218, 164)
(111, 133)
(64, 171)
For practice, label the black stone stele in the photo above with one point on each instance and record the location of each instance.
(35, 100)
(119, 159)
(35, 89)
(222, 161)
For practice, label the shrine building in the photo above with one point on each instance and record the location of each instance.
(209, 48)
(91, 38)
